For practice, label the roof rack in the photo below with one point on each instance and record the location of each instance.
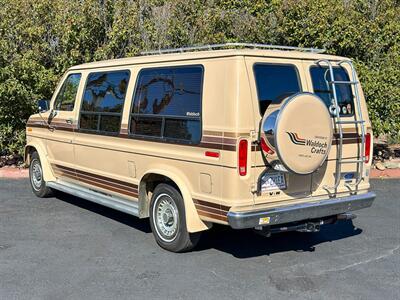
(231, 46)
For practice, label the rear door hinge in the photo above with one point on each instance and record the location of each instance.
(254, 189)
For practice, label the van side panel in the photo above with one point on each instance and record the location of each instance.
(200, 175)
(238, 125)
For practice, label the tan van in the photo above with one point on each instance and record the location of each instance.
(251, 136)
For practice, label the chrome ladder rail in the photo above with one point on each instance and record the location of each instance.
(332, 83)
(358, 119)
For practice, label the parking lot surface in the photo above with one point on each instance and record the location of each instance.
(67, 248)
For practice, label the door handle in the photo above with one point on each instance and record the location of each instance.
(69, 121)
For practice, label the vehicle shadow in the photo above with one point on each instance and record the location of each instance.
(247, 243)
(239, 243)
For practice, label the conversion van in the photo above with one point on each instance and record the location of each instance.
(250, 136)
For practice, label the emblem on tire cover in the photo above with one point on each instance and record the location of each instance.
(296, 139)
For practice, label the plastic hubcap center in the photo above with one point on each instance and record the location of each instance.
(168, 217)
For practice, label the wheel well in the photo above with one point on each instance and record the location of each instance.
(28, 153)
(146, 190)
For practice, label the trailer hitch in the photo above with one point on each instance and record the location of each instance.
(307, 226)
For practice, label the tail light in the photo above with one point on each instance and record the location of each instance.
(367, 148)
(243, 145)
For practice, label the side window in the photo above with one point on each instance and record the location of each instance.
(320, 77)
(65, 99)
(103, 101)
(274, 83)
(167, 104)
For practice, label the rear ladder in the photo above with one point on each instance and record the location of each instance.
(358, 120)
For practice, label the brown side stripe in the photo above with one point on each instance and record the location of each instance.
(211, 139)
(346, 141)
(219, 140)
(65, 174)
(97, 184)
(224, 133)
(217, 146)
(347, 135)
(228, 144)
(118, 186)
(103, 178)
(99, 181)
(211, 210)
(56, 125)
(210, 204)
(212, 216)
(348, 138)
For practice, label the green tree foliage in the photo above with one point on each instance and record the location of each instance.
(40, 39)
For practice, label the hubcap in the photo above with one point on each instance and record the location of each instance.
(36, 174)
(166, 217)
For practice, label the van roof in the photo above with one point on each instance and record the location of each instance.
(145, 59)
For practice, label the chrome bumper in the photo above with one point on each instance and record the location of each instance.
(300, 212)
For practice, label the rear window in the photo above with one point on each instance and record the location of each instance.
(167, 104)
(320, 77)
(274, 83)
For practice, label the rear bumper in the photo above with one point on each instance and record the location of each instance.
(299, 212)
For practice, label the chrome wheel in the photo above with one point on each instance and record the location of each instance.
(166, 217)
(36, 174)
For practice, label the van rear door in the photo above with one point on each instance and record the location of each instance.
(324, 177)
(272, 80)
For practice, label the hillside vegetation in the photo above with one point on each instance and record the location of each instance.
(40, 39)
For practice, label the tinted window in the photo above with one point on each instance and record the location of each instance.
(65, 99)
(103, 101)
(167, 103)
(275, 83)
(321, 76)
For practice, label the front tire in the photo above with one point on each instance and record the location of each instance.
(36, 179)
(168, 220)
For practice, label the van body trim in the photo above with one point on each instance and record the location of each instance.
(108, 180)
(300, 212)
(211, 210)
(126, 206)
(110, 184)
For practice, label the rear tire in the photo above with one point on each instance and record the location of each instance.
(36, 179)
(168, 220)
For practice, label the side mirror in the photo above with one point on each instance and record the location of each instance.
(43, 105)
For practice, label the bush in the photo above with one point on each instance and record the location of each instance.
(40, 39)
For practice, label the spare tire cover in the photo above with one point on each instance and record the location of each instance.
(303, 133)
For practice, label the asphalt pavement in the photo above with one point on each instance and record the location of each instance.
(67, 248)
